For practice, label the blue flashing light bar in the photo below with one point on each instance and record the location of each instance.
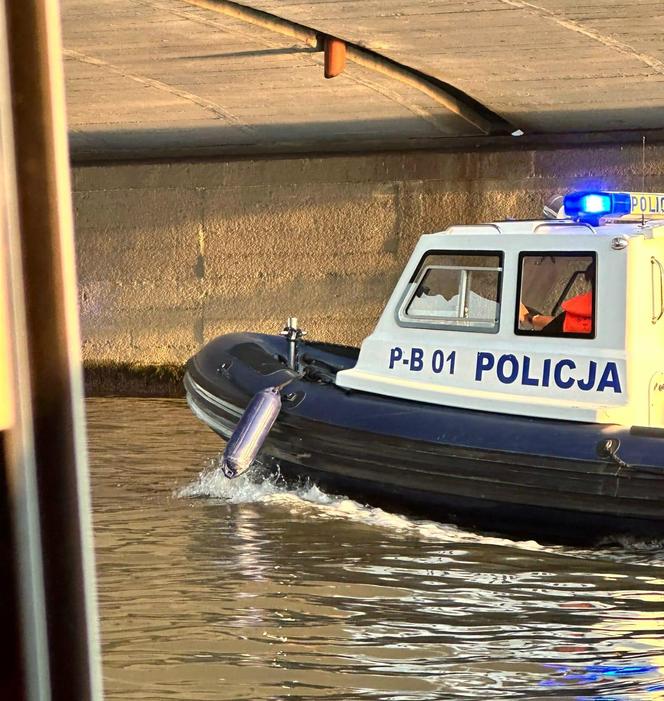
(591, 206)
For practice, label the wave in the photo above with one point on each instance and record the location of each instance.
(261, 486)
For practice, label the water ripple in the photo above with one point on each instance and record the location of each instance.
(245, 589)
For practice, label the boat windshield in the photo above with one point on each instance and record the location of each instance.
(455, 290)
(556, 294)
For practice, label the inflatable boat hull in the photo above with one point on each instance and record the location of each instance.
(502, 473)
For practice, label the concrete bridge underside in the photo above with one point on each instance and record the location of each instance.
(169, 77)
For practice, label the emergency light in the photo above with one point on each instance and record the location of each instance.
(590, 206)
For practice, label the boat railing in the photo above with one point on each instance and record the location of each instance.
(475, 227)
(564, 223)
(537, 225)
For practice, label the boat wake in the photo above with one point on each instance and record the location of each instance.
(260, 486)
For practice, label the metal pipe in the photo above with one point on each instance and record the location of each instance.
(293, 334)
(292, 342)
(20, 503)
(335, 57)
(267, 20)
(451, 98)
(47, 455)
(462, 302)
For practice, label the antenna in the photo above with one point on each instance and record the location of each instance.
(643, 174)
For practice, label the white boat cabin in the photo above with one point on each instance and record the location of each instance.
(559, 318)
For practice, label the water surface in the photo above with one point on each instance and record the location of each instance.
(217, 589)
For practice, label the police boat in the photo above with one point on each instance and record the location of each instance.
(514, 382)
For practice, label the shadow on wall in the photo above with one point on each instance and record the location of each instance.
(428, 129)
(214, 138)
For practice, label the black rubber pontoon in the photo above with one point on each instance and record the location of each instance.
(503, 473)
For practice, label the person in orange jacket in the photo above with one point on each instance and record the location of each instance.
(576, 316)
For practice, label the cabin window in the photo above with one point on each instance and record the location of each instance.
(456, 291)
(556, 295)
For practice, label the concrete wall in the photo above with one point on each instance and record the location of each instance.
(172, 254)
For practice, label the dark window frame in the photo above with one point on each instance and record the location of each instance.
(556, 254)
(441, 326)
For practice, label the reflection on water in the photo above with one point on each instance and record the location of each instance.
(211, 589)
